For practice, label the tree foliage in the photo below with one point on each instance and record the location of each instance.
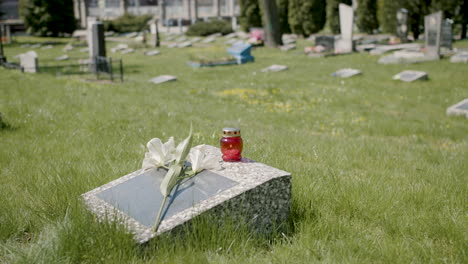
(48, 17)
(283, 13)
(333, 14)
(250, 14)
(367, 16)
(307, 16)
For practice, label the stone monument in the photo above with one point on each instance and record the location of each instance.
(241, 51)
(402, 24)
(97, 46)
(29, 61)
(447, 34)
(432, 34)
(246, 191)
(345, 43)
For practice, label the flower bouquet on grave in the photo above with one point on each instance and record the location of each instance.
(182, 162)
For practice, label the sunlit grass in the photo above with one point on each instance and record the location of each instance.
(379, 171)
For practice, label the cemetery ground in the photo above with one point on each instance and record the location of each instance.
(379, 170)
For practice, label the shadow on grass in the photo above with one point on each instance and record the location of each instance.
(4, 126)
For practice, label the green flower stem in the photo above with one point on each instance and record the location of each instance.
(158, 218)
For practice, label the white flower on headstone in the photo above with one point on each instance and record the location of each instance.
(159, 154)
(202, 160)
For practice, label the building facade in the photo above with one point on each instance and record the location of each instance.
(164, 10)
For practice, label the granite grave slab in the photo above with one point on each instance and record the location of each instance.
(458, 109)
(460, 57)
(163, 79)
(62, 57)
(275, 68)
(127, 51)
(346, 73)
(152, 52)
(185, 44)
(29, 62)
(411, 76)
(249, 191)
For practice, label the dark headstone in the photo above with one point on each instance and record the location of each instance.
(97, 41)
(447, 35)
(328, 42)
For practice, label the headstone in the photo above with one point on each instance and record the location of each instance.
(460, 57)
(97, 43)
(345, 43)
(288, 47)
(288, 40)
(184, 44)
(432, 34)
(68, 47)
(131, 35)
(247, 191)
(230, 35)
(152, 52)
(402, 24)
(35, 46)
(29, 61)
(381, 49)
(163, 79)
(84, 50)
(209, 40)
(410, 76)
(62, 58)
(196, 39)
(346, 73)
(460, 108)
(127, 51)
(181, 39)
(328, 42)
(47, 47)
(275, 68)
(119, 47)
(25, 46)
(241, 51)
(447, 34)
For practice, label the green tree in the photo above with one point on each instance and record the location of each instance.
(48, 17)
(307, 16)
(283, 11)
(250, 14)
(333, 14)
(367, 16)
(453, 9)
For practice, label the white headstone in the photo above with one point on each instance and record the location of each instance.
(184, 44)
(127, 51)
(460, 57)
(62, 58)
(68, 47)
(346, 73)
(275, 68)
(29, 61)
(163, 79)
(152, 52)
(460, 108)
(433, 33)
(345, 43)
(410, 76)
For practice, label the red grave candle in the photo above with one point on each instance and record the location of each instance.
(231, 144)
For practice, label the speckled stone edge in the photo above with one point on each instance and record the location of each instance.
(257, 185)
(452, 110)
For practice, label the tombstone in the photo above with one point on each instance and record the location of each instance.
(247, 191)
(328, 42)
(132, 35)
(25, 46)
(288, 39)
(181, 39)
(241, 51)
(68, 47)
(163, 79)
(275, 68)
(209, 40)
(460, 57)
(411, 76)
(460, 108)
(196, 39)
(432, 34)
(35, 46)
(185, 44)
(345, 43)
(346, 73)
(230, 35)
(288, 47)
(62, 58)
(47, 47)
(97, 43)
(152, 52)
(127, 51)
(29, 61)
(119, 47)
(447, 34)
(402, 24)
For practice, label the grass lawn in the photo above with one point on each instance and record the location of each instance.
(379, 170)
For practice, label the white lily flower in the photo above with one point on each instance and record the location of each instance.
(158, 154)
(201, 159)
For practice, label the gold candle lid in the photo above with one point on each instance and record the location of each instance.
(231, 132)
